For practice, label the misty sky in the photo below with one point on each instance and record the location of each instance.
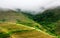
(28, 4)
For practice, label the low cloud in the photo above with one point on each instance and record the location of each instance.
(34, 5)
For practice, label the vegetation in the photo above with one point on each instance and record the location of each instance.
(3, 35)
(48, 21)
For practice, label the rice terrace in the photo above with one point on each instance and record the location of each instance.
(18, 24)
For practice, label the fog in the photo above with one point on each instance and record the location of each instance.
(34, 5)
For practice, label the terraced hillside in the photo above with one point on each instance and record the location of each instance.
(15, 17)
(17, 25)
(12, 30)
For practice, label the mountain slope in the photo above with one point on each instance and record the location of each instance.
(15, 17)
(50, 20)
(12, 21)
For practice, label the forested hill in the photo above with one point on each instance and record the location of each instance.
(49, 19)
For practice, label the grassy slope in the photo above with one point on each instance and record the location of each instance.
(18, 18)
(8, 17)
(19, 30)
